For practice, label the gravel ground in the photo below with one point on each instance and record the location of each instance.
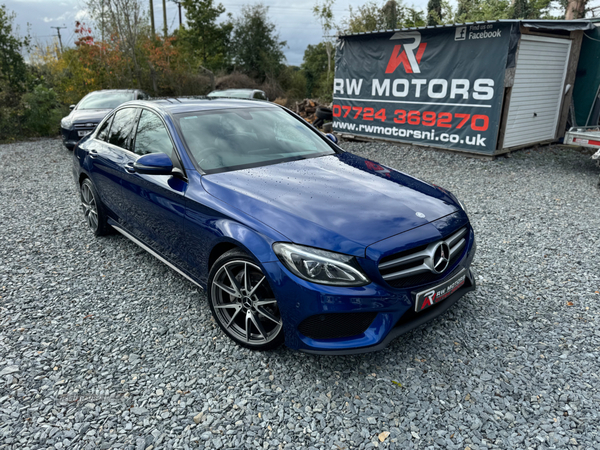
(102, 346)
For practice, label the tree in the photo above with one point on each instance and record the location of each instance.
(13, 69)
(125, 22)
(256, 47)
(203, 37)
(372, 17)
(520, 10)
(434, 12)
(531, 9)
(475, 10)
(365, 18)
(575, 9)
(390, 15)
(314, 66)
(325, 15)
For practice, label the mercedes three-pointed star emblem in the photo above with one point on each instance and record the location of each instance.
(441, 256)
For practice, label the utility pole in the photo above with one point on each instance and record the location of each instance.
(166, 31)
(102, 23)
(179, 6)
(152, 19)
(59, 38)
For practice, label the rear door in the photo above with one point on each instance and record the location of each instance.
(155, 203)
(106, 155)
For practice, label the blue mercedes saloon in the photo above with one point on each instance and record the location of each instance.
(293, 239)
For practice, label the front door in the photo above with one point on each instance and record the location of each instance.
(155, 203)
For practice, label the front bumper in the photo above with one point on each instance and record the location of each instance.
(391, 310)
(70, 136)
(404, 326)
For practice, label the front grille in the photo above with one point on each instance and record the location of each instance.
(86, 125)
(416, 266)
(336, 325)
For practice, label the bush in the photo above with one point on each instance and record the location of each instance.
(42, 112)
(235, 80)
(293, 82)
(10, 126)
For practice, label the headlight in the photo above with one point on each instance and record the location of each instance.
(320, 266)
(66, 123)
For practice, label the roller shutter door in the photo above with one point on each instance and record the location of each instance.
(537, 91)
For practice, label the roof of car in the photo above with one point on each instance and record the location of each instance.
(115, 90)
(236, 90)
(183, 105)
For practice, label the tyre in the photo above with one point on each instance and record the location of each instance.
(93, 209)
(324, 113)
(243, 303)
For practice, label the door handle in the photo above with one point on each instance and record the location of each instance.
(129, 167)
(93, 153)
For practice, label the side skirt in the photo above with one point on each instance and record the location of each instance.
(152, 252)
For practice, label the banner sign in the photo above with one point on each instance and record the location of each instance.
(440, 86)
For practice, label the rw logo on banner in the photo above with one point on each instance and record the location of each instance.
(410, 57)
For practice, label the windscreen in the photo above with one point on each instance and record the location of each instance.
(235, 139)
(234, 94)
(105, 100)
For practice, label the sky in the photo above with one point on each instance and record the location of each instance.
(294, 20)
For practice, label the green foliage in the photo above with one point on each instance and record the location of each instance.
(434, 12)
(13, 69)
(325, 15)
(256, 47)
(293, 81)
(203, 37)
(34, 113)
(531, 9)
(372, 16)
(42, 111)
(474, 10)
(314, 66)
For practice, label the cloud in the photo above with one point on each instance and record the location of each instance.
(82, 14)
(58, 19)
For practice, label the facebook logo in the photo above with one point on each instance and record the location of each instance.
(460, 34)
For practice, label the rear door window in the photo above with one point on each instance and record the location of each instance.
(103, 132)
(123, 124)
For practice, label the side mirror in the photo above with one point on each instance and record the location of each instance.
(72, 107)
(154, 164)
(332, 138)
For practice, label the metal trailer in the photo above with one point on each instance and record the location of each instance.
(588, 137)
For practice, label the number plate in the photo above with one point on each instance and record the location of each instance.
(436, 294)
(83, 133)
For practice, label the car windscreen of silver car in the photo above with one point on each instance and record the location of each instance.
(235, 139)
(102, 100)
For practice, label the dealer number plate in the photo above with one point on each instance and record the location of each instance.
(83, 133)
(436, 294)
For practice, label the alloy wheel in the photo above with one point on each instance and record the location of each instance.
(89, 206)
(244, 303)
